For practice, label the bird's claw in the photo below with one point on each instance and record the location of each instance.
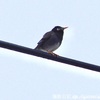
(53, 54)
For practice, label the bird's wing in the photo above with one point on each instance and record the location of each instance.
(45, 37)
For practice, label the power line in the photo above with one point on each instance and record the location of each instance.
(30, 51)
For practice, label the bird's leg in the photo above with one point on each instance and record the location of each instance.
(52, 53)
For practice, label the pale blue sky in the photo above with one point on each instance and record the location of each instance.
(24, 22)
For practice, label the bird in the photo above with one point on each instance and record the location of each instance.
(51, 40)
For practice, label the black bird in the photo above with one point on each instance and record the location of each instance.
(51, 40)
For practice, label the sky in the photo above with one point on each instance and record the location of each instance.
(23, 76)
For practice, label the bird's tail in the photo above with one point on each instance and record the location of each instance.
(37, 47)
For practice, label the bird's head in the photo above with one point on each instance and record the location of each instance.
(59, 29)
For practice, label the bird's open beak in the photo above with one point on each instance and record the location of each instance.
(65, 28)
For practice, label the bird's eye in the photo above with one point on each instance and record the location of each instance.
(58, 29)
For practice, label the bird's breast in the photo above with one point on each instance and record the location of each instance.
(55, 46)
(52, 44)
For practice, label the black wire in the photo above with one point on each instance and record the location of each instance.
(30, 51)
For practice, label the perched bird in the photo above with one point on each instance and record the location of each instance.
(51, 40)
